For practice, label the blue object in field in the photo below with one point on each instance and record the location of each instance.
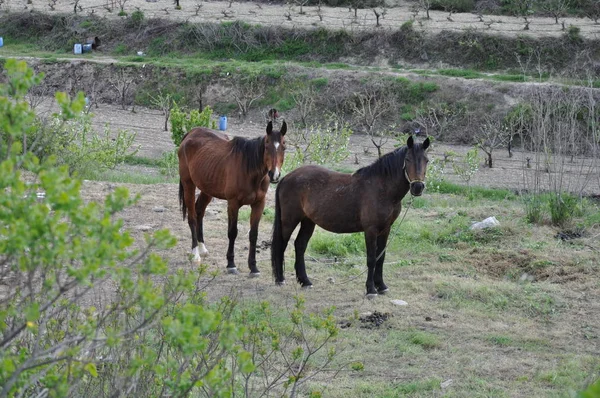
(1, 41)
(86, 48)
(223, 123)
(77, 49)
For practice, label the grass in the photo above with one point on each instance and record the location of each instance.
(128, 177)
(268, 214)
(330, 245)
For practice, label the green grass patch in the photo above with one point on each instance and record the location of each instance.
(141, 161)
(128, 177)
(464, 73)
(327, 244)
(268, 214)
(499, 296)
(476, 192)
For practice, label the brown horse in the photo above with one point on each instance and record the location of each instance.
(368, 200)
(237, 170)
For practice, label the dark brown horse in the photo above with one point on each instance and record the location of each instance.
(237, 170)
(368, 200)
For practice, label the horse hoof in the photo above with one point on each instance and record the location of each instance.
(254, 274)
(281, 283)
(232, 271)
(383, 291)
(371, 296)
(307, 287)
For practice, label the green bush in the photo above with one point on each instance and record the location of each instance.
(182, 122)
(137, 18)
(76, 144)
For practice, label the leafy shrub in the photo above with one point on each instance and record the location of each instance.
(468, 167)
(168, 164)
(137, 18)
(182, 122)
(78, 146)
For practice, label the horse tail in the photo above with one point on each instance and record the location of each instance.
(277, 248)
(182, 200)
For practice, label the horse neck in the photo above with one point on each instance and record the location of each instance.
(258, 169)
(395, 185)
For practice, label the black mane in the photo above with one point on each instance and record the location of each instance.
(252, 151)
(389, 165)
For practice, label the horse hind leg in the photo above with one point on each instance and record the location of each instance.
(307, 227)
(201, 203)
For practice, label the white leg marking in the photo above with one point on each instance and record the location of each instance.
(199, 252)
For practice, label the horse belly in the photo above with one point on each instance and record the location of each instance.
(335, 219)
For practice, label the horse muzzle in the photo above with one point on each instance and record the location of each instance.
(416, 188)
(274, 176)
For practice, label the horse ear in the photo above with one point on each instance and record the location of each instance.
(283, 128)
(410, 142)
(426, 143)
(269, 128)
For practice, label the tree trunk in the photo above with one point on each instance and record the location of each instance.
(490, 159)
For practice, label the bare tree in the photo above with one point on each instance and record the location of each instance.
(75, 4)
(122, 5)
(436, 119)
(246, 91)
(493, 134)
(304, 98)
(426, 5)
(164, 102)
(121, 83)
(556, 8)
(369, 107)
(301, 3)
(379, 14)
(592, 10)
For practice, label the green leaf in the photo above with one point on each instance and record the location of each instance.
(91, 369)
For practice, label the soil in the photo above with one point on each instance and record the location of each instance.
(330, 17)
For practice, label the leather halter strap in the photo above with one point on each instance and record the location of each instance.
(408, 178)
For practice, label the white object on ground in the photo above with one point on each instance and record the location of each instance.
(487, 223)
(398, 302)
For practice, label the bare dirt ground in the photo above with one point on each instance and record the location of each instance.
(331, 18)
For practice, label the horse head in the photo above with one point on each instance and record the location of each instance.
(274, 150)
(415, 165)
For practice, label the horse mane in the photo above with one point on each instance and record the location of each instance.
(251, 150)
(389, 165)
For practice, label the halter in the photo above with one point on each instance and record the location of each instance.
(408, 179)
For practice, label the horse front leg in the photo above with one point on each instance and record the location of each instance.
(381, 248)
(371, 243)
(232, 217)
(189, 195)
(255, 215)
(201, 203)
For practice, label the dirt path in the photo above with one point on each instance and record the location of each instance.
(311, 17)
